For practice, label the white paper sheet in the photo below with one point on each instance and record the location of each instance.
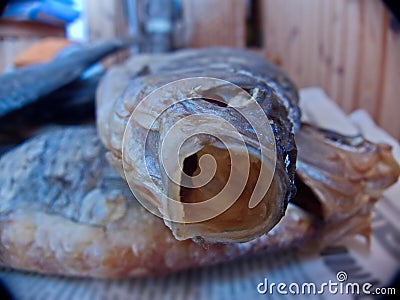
(239, 279)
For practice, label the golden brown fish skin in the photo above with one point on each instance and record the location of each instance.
(125, 87)
(342, 170)
(347, 176)
(109, 234)
(51, 244)
(117, 238)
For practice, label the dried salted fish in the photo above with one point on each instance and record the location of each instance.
(65, 211)
(343, 177)
(121, 93)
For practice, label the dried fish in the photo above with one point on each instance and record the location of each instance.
(123, 89)
(343, 177)
(64, 210)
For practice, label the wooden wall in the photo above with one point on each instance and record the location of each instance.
(17, 36)
(106, 19)
(345, 46)
(213, 22)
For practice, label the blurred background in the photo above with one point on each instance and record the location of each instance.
(350, 48)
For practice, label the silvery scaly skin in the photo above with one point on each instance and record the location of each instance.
(125, 86)
(64, 210)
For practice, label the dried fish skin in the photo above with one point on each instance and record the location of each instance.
(270, 88)
(113, 236)
(343, 170)
(347, 175)
(109, 234)
(37, 174)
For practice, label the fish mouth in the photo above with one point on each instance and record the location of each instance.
(235, 221)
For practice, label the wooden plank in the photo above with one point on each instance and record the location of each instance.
(281, 34)
(106, 19)
(323, 60)
(300, 35)
(215, 22)
(293, 41)
(11, 47)
(337, 43)
(15, 36)
(41, 52)
(341, 46)
(389, 103)
(351, 67)
(303, 37)
(309, 52)
(27, 29)
(372, 47)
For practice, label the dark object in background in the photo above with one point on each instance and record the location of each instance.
(4, 293)
(24, 86)
(71, 104)
(394, 7)
(3, 5)
(395, 283)
(155, 22)
(161, 21)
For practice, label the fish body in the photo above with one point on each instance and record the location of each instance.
(126, 87)
(65, 211)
